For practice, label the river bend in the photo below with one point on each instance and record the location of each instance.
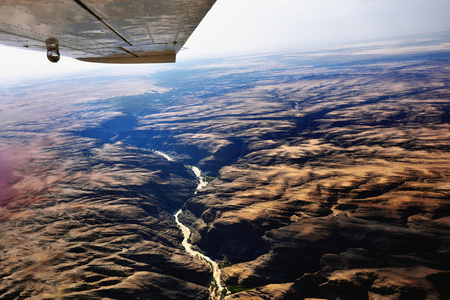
(217, 288)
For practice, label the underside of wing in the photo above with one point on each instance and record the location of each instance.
(104, 31)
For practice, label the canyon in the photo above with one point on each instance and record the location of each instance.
(328, 177)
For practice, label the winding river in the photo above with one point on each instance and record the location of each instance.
(216, 287)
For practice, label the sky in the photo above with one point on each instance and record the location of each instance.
(242, 27)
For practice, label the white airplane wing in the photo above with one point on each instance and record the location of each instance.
(105, 31)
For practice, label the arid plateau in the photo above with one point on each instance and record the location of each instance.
(329, 178)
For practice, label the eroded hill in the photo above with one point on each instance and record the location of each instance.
(329, 179)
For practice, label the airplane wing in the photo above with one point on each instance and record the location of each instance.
(104, 31)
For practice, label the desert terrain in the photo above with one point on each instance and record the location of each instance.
(329, 178)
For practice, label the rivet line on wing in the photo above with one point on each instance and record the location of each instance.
(94, 14)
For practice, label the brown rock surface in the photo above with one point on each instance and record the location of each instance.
(331, 181)
(350, 200)
(96, 226)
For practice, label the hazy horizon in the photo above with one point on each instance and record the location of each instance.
(233, 28)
